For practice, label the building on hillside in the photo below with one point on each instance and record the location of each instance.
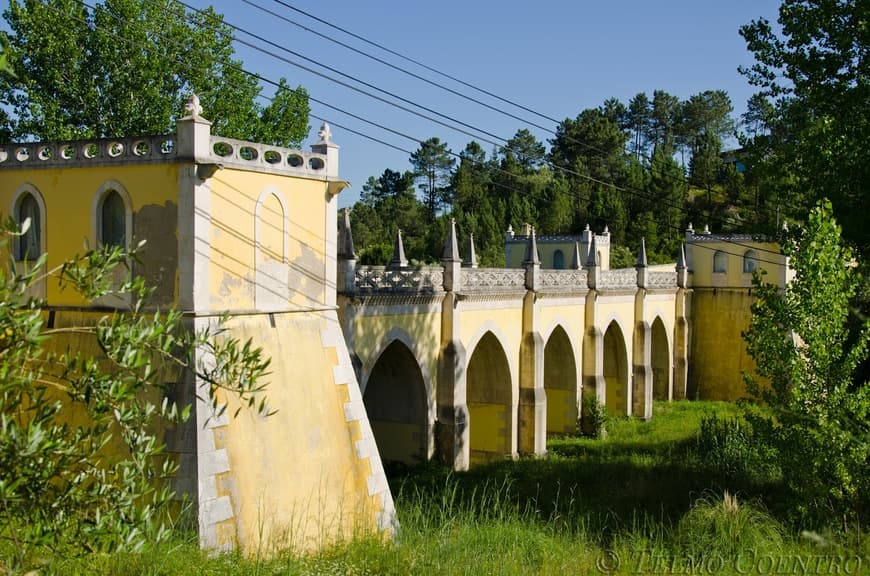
(558, 252)
(231, 227)
(720, 275)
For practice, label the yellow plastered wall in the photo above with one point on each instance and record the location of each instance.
(292, 233)
(294, 477)
(718, 351)
(69, 221)
(702, 263)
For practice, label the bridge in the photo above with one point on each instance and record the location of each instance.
(474, 364)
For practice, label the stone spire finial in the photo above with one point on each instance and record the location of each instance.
(451, 245)
(606, 231)
(325, 133)
(472, 253)
(706, 229)
(593, 261)
(641, 254)
(587, 227)
(345, 237)
(681, 257)
(576, 262)
(399, 260)
(532, 249)
(690, 229)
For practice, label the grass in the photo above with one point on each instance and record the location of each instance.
(640, 501)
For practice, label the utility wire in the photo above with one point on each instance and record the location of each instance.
(682, 179)
(374, 139)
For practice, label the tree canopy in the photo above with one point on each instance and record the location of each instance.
(126, 68)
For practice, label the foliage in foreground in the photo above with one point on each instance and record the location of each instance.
(84, 409)
(632, 503)
(807, 362)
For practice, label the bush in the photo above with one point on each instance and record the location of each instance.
(82, 466)
(730, 447)
(593, 417)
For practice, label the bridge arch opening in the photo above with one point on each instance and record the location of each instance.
(560, 383)
(660, 359)
(395, 400)
(616, 370)
(488, 396)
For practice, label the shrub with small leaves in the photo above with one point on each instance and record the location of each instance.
(83, 408)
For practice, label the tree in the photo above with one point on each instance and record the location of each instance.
(524, 150)
(816, 72)
(638, 119)
(806, 361)
(82, 466)
(432, 164)
(127, 67)
(706, 122)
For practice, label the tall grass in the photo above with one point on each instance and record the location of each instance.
(644, 495)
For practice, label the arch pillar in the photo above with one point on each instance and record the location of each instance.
(593, 350)
(640, 387)
(532, 417)
(452, 438)
(681, 344)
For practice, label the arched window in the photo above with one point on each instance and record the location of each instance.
(720, 262)
(558, 260)
(113, 220)
(29, 246)
(750, 262)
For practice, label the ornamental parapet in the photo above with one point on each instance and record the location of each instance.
(493, 279)
(93, 152)
(621, 279)
(662, 280)
(381, 279)
(563, 280)
(262, 157)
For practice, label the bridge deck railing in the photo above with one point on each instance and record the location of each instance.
(383, 279)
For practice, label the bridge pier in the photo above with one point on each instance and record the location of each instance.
(641, 377)
(681, 329)
(532, 424)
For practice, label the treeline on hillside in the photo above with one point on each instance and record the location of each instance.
(645, 169)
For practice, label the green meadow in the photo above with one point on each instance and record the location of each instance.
(654, 497)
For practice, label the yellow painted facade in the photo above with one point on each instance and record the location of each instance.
(243, 229)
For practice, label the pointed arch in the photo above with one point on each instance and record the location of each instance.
(490, 398)
(560, 383)
(720, 262)
(616, 370)
(272, 225)
(750, 261)
(112, 216)
(397, 403)
(27, 202)
(660, 361)
(558, 260)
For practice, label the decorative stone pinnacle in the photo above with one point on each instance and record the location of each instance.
(532, 249)
(451, 246)
(690, 229)
(681, 257)
(606, 230)
(472, 253)
(399, 260)
(345, 237)
(587, 227)
(592, 261)
(641, 254)
(575, 262)
(193, 107)
(706, 229)
(325, 133)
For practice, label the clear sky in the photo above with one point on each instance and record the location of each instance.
(555, 57)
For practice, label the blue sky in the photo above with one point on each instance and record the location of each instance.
(556, 57)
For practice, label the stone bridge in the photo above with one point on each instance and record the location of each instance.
(475, 364)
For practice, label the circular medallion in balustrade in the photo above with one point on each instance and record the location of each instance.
(272, 157)
(248, 153)
(222, 149)
(22, 154)
(141, 148)
(115, 149)
(44, 153)
(295, 160)
(316, 164)
(90, 151)
(67, 152)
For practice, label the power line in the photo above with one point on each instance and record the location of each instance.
(262, 78)
(648, 158)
